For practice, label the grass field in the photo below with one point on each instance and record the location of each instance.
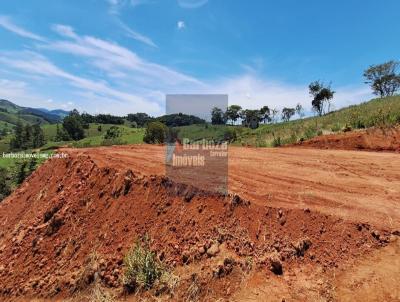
(377, 112)
(94, 137)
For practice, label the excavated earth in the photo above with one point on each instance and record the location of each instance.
(298, 225)
(372, 139)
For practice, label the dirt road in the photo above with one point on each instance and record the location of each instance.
(355, 185)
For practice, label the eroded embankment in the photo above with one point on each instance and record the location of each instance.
(372, 139)
(70, 209)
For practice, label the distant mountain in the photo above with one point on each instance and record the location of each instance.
(11, 113)
(59, 112)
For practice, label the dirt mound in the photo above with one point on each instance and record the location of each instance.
(373, 139)
(71, 211)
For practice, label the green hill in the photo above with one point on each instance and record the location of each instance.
(11, 113)
(94, 136)
(377, 112)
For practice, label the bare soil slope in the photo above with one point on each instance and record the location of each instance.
(315, 213)
(357, 186)
(372, 139)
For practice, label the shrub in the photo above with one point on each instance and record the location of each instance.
(5, 188)
(276, 142)
(156, 133)
(230, 135)
(98, 294)
(112, 142)
(20, 172)
(346, 128)
(336, 127)
(112, 133)
(310, 133)
(194, 290)
(142, 269)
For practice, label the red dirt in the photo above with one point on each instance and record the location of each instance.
(372, 139)
(100, 200)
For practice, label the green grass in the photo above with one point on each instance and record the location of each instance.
(6, 162)
(93, 137)
(9, 163)
(377, 112)
(96, 138)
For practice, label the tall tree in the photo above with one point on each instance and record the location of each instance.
(251, 118)
(274, 114)
(265, 114)
(37, 136)
(18, 140)
(217, 116)
(287, 113)
(322, 97)
(384, 79)
(61, 134)
(73, 125)
(233, 113)
(299, 110)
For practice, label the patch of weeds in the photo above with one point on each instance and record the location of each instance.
(88, 273)
(310, 132)
(248, 264)
(336, 127)
(98, 294)
(194, 290)
(276, 142)
(143, 271)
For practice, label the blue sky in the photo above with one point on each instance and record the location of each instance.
(123, 56)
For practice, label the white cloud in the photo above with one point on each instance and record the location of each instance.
(115, 6)
(6, 23)
(252, 91)
(137, 36)
(64, 30)
(117, 60)
(191, 3)
(181, 25)
(19, 92)
(37, 64)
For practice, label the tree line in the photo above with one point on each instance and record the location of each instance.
(27, 137)
(384, 80)
(248, 116)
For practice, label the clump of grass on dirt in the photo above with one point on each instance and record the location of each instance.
(194, 290)
(98, 294)
(143, 271)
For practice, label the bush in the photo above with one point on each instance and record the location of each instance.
(156, 133)
(73, 125)
(112, 142)
(112, 133)
(5, 188)
(230, 135)
(276, 142)
(310, 133)
(142, 269)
